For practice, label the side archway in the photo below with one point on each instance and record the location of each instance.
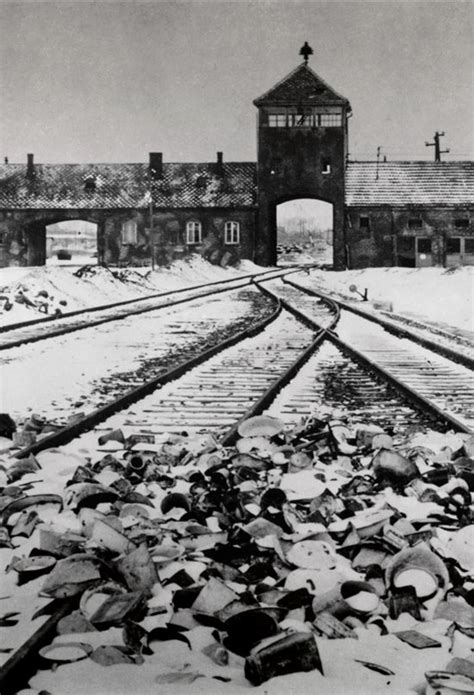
(71, 242)
(60, 239)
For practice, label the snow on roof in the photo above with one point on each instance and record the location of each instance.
(231, 184)
(410, 183)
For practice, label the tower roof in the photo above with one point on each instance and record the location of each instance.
(302, 85)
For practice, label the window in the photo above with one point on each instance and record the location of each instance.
(193, 233)
(90, 184)
(301, 120)
(415, 223)
(330, 119)
(423, 245)
(310, 117)
(462, 222)
(364, 222)
(129, 232)
(172, 236)
(232, 233)
(277, 120)
(453, 245)
(326, 166)
(469, 244)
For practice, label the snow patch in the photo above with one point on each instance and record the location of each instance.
(97, 285)
(437, 295)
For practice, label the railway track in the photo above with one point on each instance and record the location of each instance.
(18, 334)
(289, 366)
(454, 346)
(111, 359)
(430, 374)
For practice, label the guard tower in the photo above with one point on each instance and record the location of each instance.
(302, 146)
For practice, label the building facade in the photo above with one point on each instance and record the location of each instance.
(385, 213)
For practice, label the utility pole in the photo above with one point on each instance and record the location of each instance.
(152, 234)
(436, 145)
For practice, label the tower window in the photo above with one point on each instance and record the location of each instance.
(415, 223)
(326, 166)
(129, 232)
(301, 120)
(232, 233)
(364, 223)
(193, 232)
(462, 222)
(277, 120)
(330, 119)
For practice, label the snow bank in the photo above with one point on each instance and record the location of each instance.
(437, 295)
(66, 291)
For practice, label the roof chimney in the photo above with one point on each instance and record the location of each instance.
(220, 164)
(30, 167)
(156, 165)
(6, 160)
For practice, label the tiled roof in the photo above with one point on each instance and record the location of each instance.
(410, 183)
(234, 185)
(301, 86)
(207, 185)
(106, 186)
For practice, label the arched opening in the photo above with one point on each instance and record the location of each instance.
(71, 242)
(305, 232)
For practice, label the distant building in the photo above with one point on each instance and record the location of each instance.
(386, 213)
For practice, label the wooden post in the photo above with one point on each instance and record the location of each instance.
(152, 244)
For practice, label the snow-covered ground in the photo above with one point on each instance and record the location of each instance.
(438, 295)
(100, 285)
(108, 359)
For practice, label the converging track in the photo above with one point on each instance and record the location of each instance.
(248, 376)
(292, 364)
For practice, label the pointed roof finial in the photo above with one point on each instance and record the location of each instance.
(306, 51)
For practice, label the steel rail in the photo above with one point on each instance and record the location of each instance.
(64, 330)
(398, 331)
(333, 306)
(70, 432)
(125, 302)
(410, 394)
(21, 664)
(25, 661)
(269, 396)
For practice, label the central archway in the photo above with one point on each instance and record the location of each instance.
(305, 229)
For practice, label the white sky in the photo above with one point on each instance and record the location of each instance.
(315, 213)
(110, 81)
